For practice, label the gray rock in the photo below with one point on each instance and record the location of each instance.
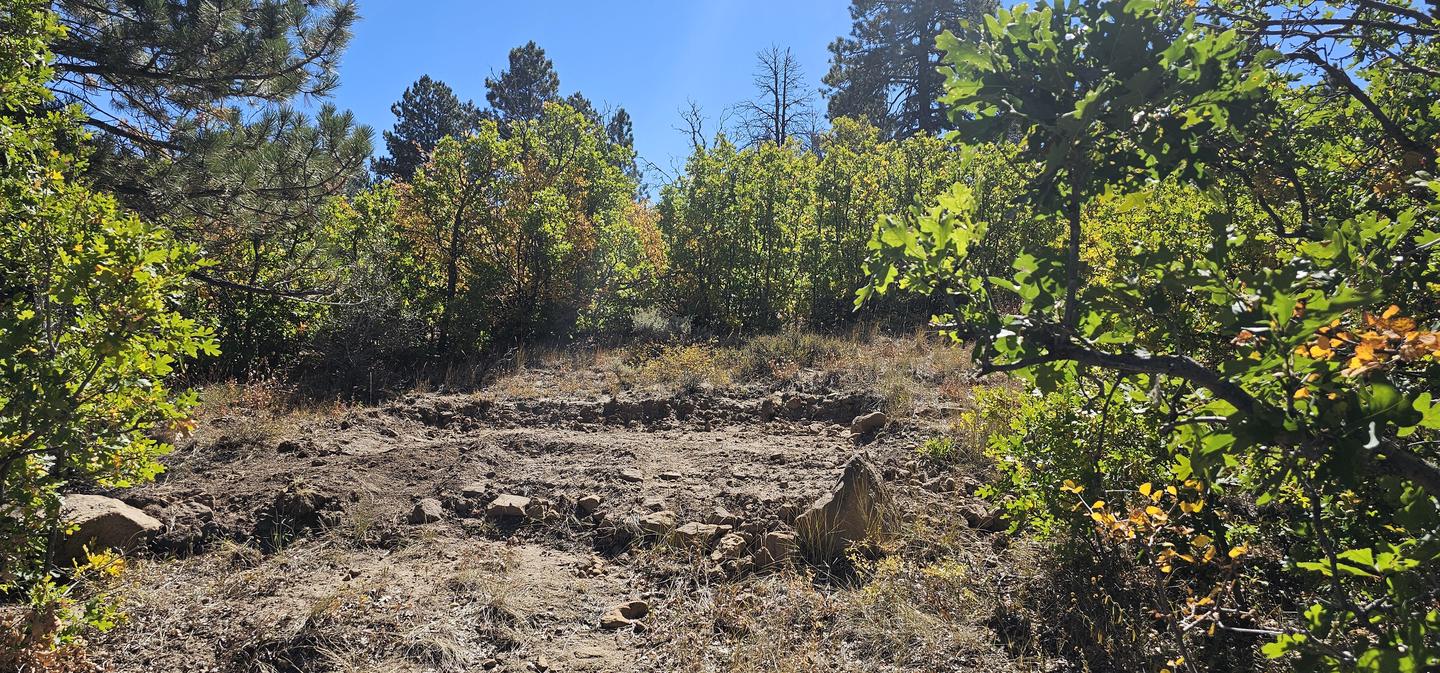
(858, 509)
(696, 534)
(657, 523)
(427, 510)
(722, 517)
(731, 546)
(475, 489)
(587, 504)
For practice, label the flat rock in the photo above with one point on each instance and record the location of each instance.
(474, 489)
(587, 504)
(631, 475)
(657, 523)
(696, 534)
(722, 517)
(507, 505)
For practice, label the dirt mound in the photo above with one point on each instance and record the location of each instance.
(445, 532)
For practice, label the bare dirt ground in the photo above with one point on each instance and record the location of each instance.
(353, 538)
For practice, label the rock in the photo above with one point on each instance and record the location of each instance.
(731, 546)
(855, 511)
(670, 476)
(653, 503)
(540, 509)
(104, 523)
(777, 548)
(696, 534)
(988, 520)
(632, 475)
(428, 510)
(624, 614)
(722, 517)
(868, 423)
(475, 489)
(657, 523)
(507, 505)
(946, 485)
(587, 504)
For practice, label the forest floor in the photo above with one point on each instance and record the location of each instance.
(306, 537)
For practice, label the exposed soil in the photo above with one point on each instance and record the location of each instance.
(294, 544)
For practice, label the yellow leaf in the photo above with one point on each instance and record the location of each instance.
(1302, 393)
(1239, 550)
(1146, 488)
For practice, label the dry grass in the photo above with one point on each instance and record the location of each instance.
(913, 374)
(323, 606)
(258, 413)
(927, 604)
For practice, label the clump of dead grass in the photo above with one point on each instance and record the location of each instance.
(926, 605)
(257, 413)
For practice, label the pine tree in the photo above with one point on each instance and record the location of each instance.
(189, 98)
(586, 109)
(621, 133)
(620, 129)
(886, 70)
(428, 111)
(521, 91)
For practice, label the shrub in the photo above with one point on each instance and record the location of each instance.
(683, 369)
(89, 332)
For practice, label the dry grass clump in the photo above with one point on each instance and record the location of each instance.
(320, 606)
(257, 413)
(911, 373)
(904, 616)
(780, 357)
(682, 369)
(927, 605)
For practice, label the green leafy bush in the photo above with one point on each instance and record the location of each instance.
(1286, 360)
(89, 329)
(1070, 436)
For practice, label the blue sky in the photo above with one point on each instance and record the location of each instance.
(648, 56)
